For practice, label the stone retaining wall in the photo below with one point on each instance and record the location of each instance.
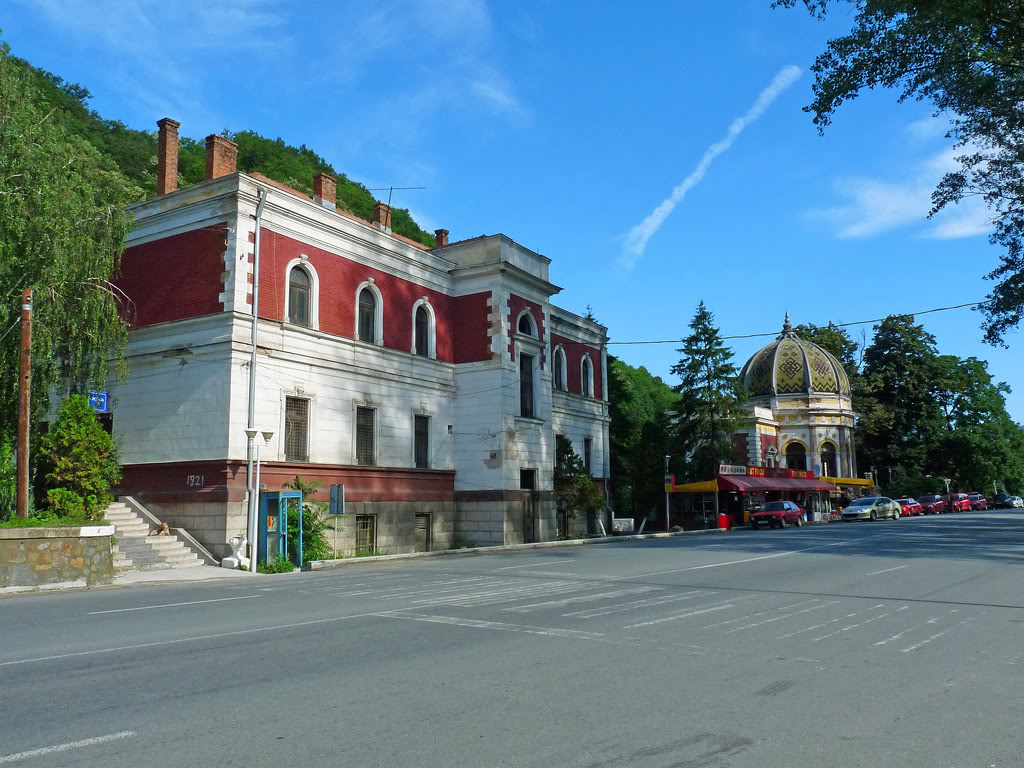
(38, 557)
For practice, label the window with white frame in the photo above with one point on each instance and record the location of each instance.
(424, 329)
(299, 296)
(526, 326)
(367, 316)
(558, 377)
(586, 377)
(365, 436)
(296, 429)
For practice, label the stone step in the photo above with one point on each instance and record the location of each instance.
(122, 517)
(132, 529)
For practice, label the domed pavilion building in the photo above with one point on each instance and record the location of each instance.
(801, 413)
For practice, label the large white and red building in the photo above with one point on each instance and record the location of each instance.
(431, 382)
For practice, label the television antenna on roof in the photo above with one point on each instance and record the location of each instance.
(390, 190)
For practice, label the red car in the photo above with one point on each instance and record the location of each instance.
(978, 502)
(777, 514)
(910, 506)
(932, 505)
(959, 502)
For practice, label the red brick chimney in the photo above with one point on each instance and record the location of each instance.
(325, 189)
(441, 236)
(382, 217)
(221, 156)
(167, 156)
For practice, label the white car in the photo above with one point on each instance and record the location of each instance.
(1015, 502)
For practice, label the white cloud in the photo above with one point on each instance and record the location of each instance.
(638, 237)
(927, 128)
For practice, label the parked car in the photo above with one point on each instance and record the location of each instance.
(933, 505)
(1001, 500)
(777, 514)
(959, 502)
(978, 502)
(910, 506)
(1015, 502)
(872, 508)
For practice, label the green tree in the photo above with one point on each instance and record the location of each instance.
(967, 58)
(709, 409)
(80, 457)
(639, 406)
(62, 231)
(574, 486)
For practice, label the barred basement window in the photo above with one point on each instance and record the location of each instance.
(526, 386)
(422, 441)
(366, 534)
(296, 429)
(365, 437)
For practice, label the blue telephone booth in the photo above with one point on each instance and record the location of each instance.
(276, 509)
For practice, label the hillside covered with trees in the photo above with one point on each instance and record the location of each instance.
(133, 152)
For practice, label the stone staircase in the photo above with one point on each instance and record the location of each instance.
(137, 549)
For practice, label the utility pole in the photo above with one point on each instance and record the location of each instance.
(24, 388)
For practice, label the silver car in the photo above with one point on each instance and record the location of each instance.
(872, 508)
(1015, 502)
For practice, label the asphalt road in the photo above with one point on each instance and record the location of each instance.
(865, 644)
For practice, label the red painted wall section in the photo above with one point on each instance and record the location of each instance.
(740, 443)
(517, 304)
(176, 277)
(767, 440)
(338, 278)
(574, 352)
(470, 326)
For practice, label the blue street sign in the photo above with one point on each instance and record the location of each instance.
(98, 400)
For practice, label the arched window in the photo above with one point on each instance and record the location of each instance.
(586, 378)
(525, 325)
(298, 297)
(558, 378)
(829, 464)
(367, 329)
(796, 456)
(422, 332)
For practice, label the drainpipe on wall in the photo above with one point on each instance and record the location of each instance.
(253, 492)
(607, 435)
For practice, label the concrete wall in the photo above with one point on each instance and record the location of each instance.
(36, 557)
(396, 526)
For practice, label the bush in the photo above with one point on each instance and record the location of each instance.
(79, 456)
(279, 566)
(8, 481)
(314, 523)
(65, 503)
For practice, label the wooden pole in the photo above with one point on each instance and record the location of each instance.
(24, 386)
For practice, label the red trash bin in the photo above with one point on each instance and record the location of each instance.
(724, 522)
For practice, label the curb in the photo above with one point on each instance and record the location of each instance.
(321, 565)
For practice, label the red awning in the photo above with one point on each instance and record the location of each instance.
(744, 483)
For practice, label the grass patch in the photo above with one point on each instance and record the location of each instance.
(280, 566)
(43, 522)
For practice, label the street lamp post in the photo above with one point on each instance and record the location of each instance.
(668, 521)
(254, 494)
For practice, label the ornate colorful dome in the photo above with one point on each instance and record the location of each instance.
(792, 366)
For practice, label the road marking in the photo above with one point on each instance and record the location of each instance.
(66, 747)
(634, 604)
(535, 565)
(887, 570)
(194, 638)
(782, 616)
(699, 612)
(581, 599)
(497, 625)
(936, 636)
(759, 613)
(753, 559)
(831, 621)
(898, 635)
(171, 605)
(860, 624)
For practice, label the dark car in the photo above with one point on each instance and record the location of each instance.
(1001, 501)
(978, 502)
(959, 502)
(910, 506)
(932, 505)
(777, 514)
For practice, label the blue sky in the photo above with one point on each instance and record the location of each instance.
(565, 126)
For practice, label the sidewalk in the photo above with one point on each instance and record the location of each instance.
(131, 577)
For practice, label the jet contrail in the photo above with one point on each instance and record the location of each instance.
(636, 240)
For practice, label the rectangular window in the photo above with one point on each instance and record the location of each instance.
(364, 436)
(367, 321)
(587, 442)
(422, 532)
(296, 429)
(366, 534)
(528, 479)
(526, 386)
(421, 438)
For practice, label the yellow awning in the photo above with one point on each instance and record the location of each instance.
(856, 482)
(706, 486)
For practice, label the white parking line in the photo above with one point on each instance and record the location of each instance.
(831, 621)
(535, 565)
(171, 605)
(498, 625)
(581, 599)
(860, 624)
(936, 636)
(755, 615)
(633, 605)
(887, 570)
(731, 603)
(43, 751)
(780, 618)
(898, 635)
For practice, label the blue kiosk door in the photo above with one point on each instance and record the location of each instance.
(276, 508)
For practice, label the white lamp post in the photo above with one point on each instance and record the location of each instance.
(254, 494)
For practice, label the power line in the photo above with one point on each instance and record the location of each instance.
(830, 324)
